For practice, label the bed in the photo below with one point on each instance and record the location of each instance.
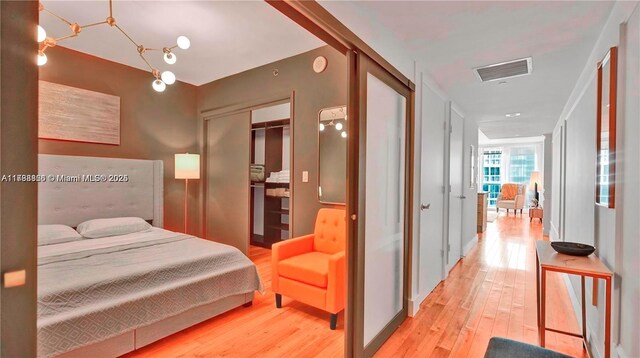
(108, 296)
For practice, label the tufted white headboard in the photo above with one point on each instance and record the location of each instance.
(71, 202)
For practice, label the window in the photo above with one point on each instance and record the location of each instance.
(522, 163)
(509, 163)
(492, 162)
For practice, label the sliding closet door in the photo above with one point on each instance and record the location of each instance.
(228, 140)
(383, 211)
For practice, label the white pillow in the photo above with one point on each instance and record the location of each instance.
(56, 234)
(97, 228)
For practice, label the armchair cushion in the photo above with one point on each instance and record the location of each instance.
(311, 268)
(508, 191)
(330, 231)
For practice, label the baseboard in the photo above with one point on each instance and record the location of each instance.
(414, 304)
(470, 245)
(575, 303)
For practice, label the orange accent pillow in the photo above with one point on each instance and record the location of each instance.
(509, 191)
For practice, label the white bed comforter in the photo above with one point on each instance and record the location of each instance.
(94, 289)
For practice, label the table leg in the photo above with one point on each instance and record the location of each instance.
(538, 293)
(584, 312)
(543, 286)
(607, 324)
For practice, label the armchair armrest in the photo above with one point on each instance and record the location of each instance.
(520, 201)
(286, 249)
(336, 282)
(292, 247)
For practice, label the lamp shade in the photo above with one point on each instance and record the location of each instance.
(187, 166)
(535, 178)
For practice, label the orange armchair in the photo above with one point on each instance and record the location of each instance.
(311, 268)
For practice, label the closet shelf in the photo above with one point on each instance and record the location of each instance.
(282, 211)
(279, 123)
(279, 226)
(276, 185)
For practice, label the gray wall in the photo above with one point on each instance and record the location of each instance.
(614, 232)
(313, 92)
(152, 125)
(18, 155)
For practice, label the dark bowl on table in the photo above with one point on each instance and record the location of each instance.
(573, 248)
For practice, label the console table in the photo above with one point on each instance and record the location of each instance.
(547, 259)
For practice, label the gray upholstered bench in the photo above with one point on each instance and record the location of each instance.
(506, 348)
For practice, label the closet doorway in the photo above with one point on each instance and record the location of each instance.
(270, 175)
(247, 159)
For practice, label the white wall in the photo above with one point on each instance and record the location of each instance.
(627, 224)
(470, 204)
(547, 196)
(614, 232)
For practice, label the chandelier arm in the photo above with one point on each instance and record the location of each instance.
(66, 37)
(59, 17)
(147, 62)
(110, 8)
(94, 24)
(127, 36)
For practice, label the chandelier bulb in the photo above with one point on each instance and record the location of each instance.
(158, 85)
(343, 134)
(168, 77)
(338, 126)
(321, 127)
(42, 34)
(170, 58)
(184, 42)
(42, 58)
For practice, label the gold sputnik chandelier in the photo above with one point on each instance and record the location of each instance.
(161, 79)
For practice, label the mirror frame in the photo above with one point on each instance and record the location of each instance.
(318, 156)
(610, 59)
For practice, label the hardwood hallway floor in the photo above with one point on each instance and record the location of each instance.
(491, 292)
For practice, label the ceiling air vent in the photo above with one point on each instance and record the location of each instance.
(503, 70)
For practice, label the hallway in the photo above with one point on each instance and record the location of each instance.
(490, 292)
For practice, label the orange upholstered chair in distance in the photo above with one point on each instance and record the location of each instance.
(311, 268)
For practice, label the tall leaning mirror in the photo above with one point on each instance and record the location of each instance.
(606, 129)
(332, 155)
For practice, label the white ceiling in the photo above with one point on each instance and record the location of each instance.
(451, 38)
(226, 37)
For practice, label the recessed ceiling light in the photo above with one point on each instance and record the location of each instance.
(512, 115)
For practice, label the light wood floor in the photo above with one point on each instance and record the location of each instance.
(261, 330)
(491, 292)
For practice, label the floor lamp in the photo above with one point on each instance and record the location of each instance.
(535, 184)
(187, 167)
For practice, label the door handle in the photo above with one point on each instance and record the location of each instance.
(425, 207)
(462, 197)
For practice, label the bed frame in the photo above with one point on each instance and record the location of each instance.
(70, 202)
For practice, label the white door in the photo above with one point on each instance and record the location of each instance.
(456, 193)
(432, 190)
